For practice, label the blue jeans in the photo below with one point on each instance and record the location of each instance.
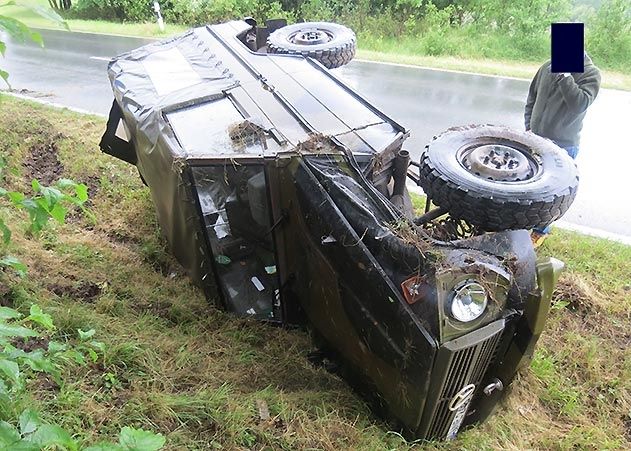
(572, 151)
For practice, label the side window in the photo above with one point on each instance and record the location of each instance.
(234, 202)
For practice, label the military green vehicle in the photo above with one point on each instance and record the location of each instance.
(283, 194)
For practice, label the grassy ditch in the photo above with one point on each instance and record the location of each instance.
(177, 366)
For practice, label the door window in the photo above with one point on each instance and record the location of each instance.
(234, 202)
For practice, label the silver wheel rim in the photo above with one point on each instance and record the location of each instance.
(310, 36)
(500, 163)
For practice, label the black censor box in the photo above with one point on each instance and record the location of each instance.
(567, 49)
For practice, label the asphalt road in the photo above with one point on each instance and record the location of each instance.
(71, 70)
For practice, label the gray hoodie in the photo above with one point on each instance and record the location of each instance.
(557, 104)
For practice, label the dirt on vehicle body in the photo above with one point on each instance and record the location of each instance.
(283, 193)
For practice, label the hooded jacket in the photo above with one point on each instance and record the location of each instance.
(557, 104)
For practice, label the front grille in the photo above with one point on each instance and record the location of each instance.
(460, 362)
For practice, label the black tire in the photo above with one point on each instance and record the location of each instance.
(527, 182)
(331, 44)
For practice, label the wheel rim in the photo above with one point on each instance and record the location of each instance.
(500, 163)
(310, 36)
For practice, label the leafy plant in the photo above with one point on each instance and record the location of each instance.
(25, 350)
(46, 202)
(17, 365)
(131, 439)
(32, 434)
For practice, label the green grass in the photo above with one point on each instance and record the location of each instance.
(489, 55)
(178, 366)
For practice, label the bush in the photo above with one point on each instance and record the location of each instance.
(609, 35)
(188, 12)
(437, 23)
(518, 29)
(118, 10)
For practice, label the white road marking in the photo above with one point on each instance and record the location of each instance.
(594, 232)
(436, 69)
(101, 58)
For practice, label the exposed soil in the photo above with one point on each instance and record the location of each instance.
(84, 291)
(159, 263)
(626, 422)
(31, 93)
(120, 237)
(30, 344)
(42, 164)
(93, 183)
(581, 297)
(158, 308)
(46, 386)
(6, 299)
(585, 302)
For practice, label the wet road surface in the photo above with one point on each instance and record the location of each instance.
(71, 70)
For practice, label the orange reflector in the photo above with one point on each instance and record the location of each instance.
(414, 289)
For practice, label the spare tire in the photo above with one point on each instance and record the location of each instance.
(497, 178)
(331, 44)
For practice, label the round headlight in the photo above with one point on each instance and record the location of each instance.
(469, 301)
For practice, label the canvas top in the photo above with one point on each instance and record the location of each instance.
(220, 99)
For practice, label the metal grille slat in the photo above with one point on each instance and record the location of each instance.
(483, 360)
(458, 361)
(462, 374)
(462, 367)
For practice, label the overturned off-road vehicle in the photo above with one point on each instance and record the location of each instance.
(283, 194)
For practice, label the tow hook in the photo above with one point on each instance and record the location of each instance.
(495, 384)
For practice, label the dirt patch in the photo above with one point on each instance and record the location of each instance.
(626, 424)
(45, 386)
(579, 295)
(121, 237)
(93, 183)
(30, 344)
(6, 295)
(84, 291)
(42, 163)
(30, 93)
(159, 308)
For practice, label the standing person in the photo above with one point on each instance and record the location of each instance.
(556, 106)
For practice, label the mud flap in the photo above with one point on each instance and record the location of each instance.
(116, 141)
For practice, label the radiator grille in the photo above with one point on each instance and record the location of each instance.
(463, 361)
